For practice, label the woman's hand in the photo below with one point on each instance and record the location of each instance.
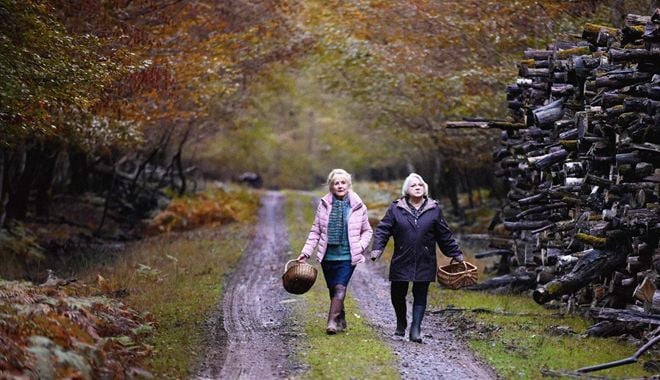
(375, 254)
(302, 258)
(459, 258)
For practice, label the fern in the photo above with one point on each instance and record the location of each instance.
(59, 331)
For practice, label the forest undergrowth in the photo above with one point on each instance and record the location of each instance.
(137, 310)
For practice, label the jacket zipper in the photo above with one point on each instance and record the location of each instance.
(415, 219)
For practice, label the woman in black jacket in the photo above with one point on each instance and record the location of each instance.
(417, 225)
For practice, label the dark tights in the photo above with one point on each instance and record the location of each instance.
(399, 290)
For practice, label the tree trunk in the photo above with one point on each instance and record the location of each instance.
(592, 265)
(3, 211)
(599, 35)
(19, 197)
(526, 225)
(436, 175)
(533, 72)
(622, 78)
(158, 149)
(450, 187)
(537, 54)
(625, 55)
(545, 161)
(628, 316)
(606, 329)
(639, 20)
(178, 162)
(592, 240)
(542, 208)
(560, 89)
(467, 124)
(79, 171)
(44, 181)
(106, 205)
(514, 282)
(468, 188)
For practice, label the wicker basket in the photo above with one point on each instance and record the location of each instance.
(456, 275)
(298, 278)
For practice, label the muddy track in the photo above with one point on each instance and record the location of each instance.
(440, 356)
(254, 333)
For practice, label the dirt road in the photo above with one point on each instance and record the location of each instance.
(440, 356)
(253, 335)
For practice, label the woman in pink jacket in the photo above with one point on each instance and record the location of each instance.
(341, 233)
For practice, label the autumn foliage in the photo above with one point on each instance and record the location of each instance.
(96, 94)
(212, 207)
(61, 329)
(377, 83)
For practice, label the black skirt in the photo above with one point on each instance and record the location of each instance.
(337, 272)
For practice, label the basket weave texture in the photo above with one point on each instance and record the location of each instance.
(298, 278)
(457, 275)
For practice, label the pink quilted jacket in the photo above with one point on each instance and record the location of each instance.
(359, 230)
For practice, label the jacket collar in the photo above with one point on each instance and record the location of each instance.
(430, 204)
(354, 200)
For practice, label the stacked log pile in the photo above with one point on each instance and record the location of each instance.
(582, 158)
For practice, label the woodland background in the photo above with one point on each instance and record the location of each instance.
(110, 96)
(114, 113)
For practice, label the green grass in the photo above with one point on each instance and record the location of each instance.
(179, 278)
(357, 353)
(519, 346)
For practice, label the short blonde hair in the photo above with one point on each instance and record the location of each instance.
(338, 173)
(406, 184)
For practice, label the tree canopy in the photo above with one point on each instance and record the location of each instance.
(404, 67)
(287, 88)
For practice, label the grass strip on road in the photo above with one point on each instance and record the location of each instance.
(357, 353)
(530, 337)
(179, 278)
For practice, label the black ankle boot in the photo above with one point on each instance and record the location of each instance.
(416, 325)
(400, 328)
(401, 321)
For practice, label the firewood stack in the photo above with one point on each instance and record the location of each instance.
(582, 158)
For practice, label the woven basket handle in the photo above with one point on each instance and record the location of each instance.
(464, 264)
(286, 266)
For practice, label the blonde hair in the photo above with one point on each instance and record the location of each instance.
(338, 173)
(406, 184)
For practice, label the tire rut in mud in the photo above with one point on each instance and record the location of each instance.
(254, 336)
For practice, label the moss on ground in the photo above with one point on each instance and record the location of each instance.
(529, 337)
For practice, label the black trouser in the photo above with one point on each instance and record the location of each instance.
(399, 290)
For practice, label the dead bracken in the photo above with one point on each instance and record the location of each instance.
(62, 329)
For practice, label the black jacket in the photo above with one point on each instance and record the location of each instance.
(414, 240)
